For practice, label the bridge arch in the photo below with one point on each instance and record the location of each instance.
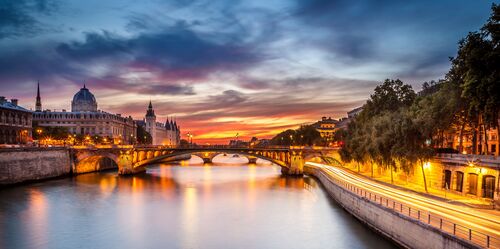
(96, 162)
(213, 153)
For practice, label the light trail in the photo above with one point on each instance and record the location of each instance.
(477, 220)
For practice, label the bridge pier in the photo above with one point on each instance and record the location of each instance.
(296, 165)
(206, 156)
(126, 165)
(251, 159)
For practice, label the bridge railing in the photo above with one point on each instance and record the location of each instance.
(476, 237)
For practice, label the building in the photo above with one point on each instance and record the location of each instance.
(15, 122)
(85, 119)
(168, 133)
(354, 112)
(326, 127)
(451, 139)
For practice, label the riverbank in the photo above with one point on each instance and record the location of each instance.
(380, 214)
(18, 165)
(32, 164)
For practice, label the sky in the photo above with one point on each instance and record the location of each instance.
(220, 68)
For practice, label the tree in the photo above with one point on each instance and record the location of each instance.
(308, 135)
(143, 137)
(373, 135)
(184, 143)
(390, 96)
(57, 133)
(475, 71)
(304, 135)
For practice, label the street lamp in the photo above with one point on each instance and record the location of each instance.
(39, 132)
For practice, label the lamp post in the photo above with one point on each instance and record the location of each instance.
(39, 132)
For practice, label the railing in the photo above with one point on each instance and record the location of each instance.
(447, 226)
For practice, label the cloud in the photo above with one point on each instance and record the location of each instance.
(18, 18)
(167, 89)
(175, 52)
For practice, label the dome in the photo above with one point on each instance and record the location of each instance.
(84, 101)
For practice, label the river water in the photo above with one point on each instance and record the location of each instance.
(227, 205)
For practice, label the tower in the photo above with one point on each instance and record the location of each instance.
(151, 122)
(38, 105)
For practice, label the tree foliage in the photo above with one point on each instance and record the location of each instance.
(143, 137)
(304, 135)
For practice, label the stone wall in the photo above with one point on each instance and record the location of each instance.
(29, 164)
(406, 232)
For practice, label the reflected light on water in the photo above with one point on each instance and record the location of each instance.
(228, 204)
(190, 218)
(38, 213)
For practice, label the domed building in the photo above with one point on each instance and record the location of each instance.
(84, 101)
(86, 119)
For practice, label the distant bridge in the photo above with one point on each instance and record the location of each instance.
(133, 160)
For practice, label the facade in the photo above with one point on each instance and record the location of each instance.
(326, 127)
(168, 133)
(451, 139)
(456, 174)
(15, 122)
(86, 119)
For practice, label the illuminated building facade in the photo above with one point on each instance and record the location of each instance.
(168, 133)
(85, 119)
(15, 122)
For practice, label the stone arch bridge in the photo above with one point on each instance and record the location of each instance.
(134, 160)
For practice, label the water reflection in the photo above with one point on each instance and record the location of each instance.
(229, 204)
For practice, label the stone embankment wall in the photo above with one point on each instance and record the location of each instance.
(29, 164)
(406, 232)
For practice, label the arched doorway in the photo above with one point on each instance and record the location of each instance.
(488, 186)
(459, 181)
(472, 184)
(447, 179)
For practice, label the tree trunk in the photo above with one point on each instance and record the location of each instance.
(474, 141)
(392, 177)
(486, 149)
(461, 136)
(423, 174)
(372, 168)
(442, 139)
(498, 137)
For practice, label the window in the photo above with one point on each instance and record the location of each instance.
(472, 184)
(447, 179)
(488, 186)
(493, 148)
(459, 181)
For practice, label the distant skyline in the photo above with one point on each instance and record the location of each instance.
(226, 67)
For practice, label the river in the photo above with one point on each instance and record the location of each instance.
(229, 204)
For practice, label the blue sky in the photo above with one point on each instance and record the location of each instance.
(221, 67)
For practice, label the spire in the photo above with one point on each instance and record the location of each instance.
(174, 126)
(167, 125)
(38, 104)
(150, 112)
